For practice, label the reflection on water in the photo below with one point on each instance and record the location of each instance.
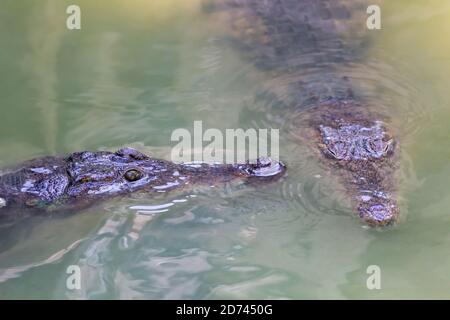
(136, 72)
(41, 61)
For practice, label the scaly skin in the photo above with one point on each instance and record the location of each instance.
(303, 47)
(358, 147)
(82, 178)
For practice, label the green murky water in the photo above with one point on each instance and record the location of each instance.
(138, 70)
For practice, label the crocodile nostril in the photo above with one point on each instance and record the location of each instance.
(379, 214)
(265, 167)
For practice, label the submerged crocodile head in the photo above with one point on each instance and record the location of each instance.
(357, 146)
(128, 170)
(82, 177)
(364, 152)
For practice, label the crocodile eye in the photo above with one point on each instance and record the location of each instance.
(86, 179)
(388, 146)
(333, 153)
(337, 150)
(133, 175)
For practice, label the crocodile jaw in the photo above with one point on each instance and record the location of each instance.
(378, 211)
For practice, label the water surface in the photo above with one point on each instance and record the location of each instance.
(138, 70)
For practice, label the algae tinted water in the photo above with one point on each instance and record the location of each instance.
(137, 71)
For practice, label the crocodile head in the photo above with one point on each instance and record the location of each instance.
(358, 146)
(107, 173)
(128, 170)
(83, 176)
(363, 152)
(78, 179)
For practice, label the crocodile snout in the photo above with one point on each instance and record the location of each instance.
(264, 168)
(378, 213)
